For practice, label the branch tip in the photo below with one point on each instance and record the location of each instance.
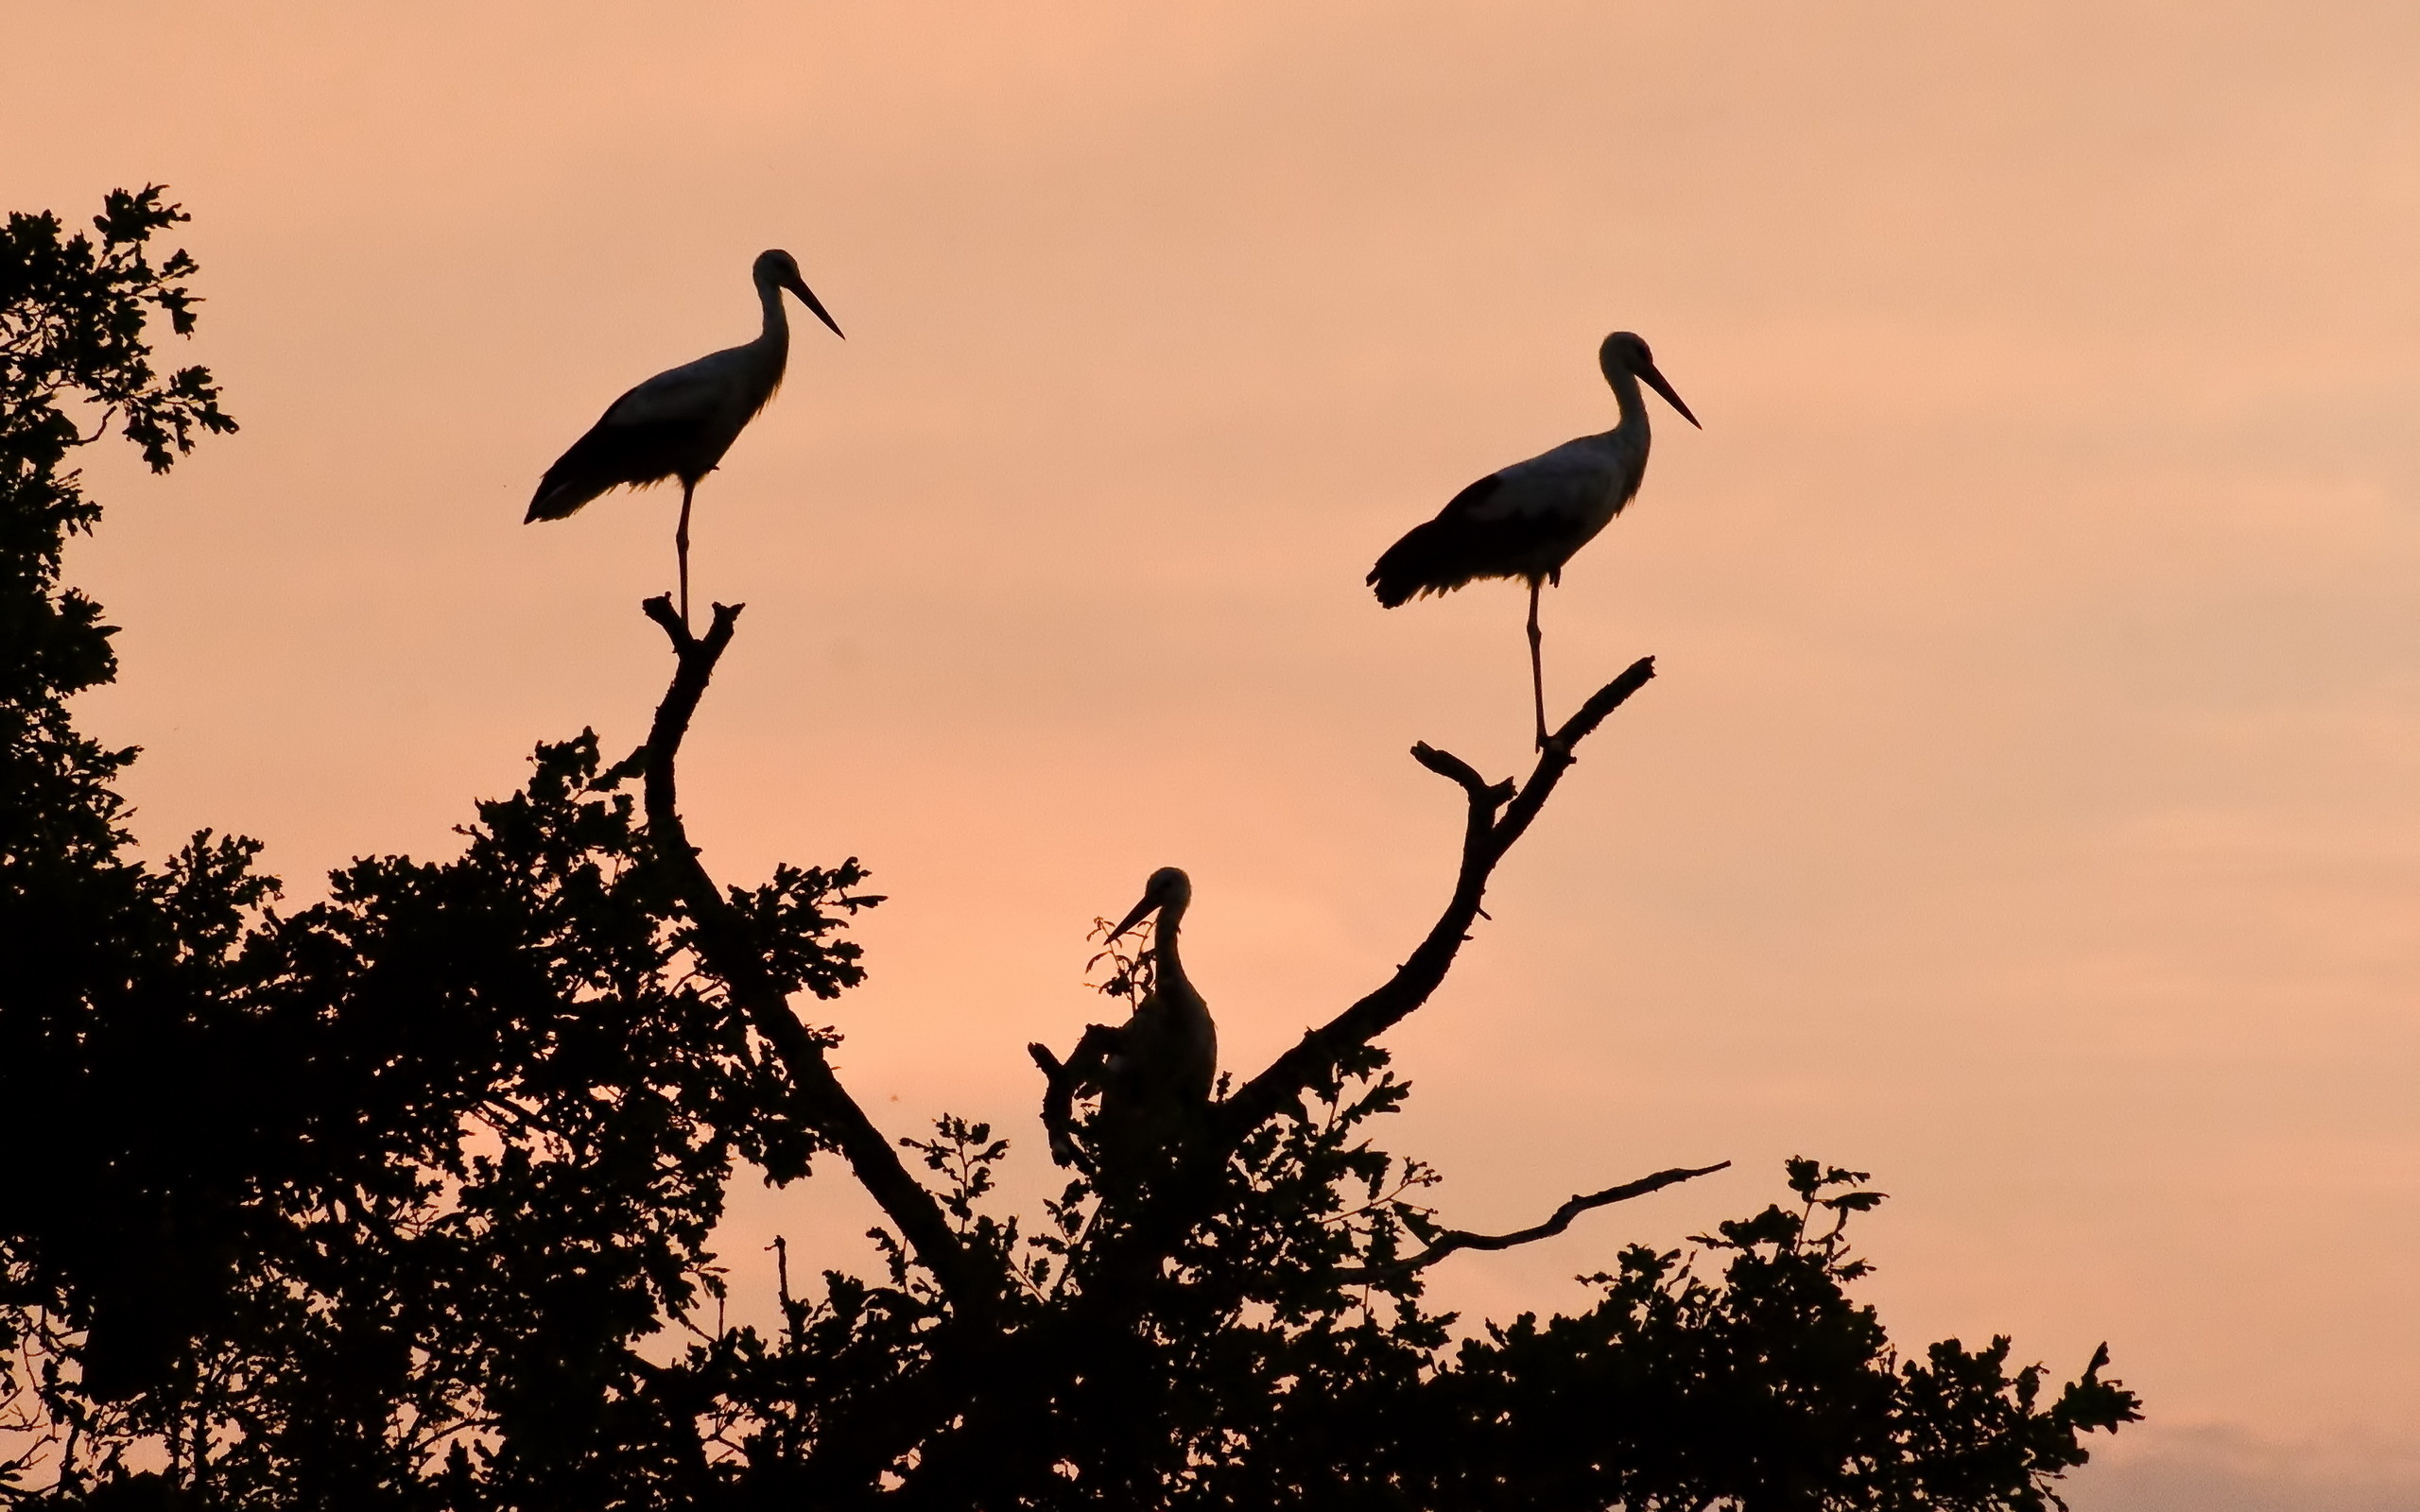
(660, 610)
(1601, 703)
(1453, 768)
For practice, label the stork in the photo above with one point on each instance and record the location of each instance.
(1158, 1067)
(1527, 519)
(678, 425)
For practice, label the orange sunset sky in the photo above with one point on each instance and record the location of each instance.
(2028, 809)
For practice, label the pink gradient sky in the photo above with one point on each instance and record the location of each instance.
(2030, 808)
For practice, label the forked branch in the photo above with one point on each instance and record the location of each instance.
(728, 950)
(1500, 814)
(1456, 1238)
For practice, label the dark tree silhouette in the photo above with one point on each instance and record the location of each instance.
(405, 1199)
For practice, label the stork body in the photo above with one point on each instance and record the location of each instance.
(1156, 1070)
(1166, 1053)
(678, 423)
(1528, 520)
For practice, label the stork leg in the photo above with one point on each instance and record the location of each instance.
(681, 548)
(1537, 667)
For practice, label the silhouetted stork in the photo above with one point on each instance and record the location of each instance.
(678, 423)
(1527, 519)
(1157, 1067)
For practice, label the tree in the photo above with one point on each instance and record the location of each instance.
(407, 1200)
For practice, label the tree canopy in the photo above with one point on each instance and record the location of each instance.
(409, 1198)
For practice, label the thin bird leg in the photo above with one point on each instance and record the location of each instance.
(1537, 669)
(681, 546)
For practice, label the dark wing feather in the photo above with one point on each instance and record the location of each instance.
(613, 453)
(1458, 547)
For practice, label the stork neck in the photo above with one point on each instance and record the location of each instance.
(776, 333)
(1629, 399)
(1166, 965)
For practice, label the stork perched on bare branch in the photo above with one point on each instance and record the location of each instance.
(1160, 1065)
(678, 425)
(1527, 519)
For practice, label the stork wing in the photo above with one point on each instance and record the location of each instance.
(1563, 484)
(1518, 521)
(680, 419)
(689, 393)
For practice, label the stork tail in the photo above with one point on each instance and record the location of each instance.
(608, 457)
(1430, 559)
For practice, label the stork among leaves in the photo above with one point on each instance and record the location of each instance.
(1154, 1070)
(1527, 519)
(678, 423)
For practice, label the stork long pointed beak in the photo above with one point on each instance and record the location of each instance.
(1655, 381)
(798, 286)
(1133, 916)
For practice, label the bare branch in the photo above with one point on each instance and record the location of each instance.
(1454, 1238)
(1064, 1081)
(1058, 1104)
(1487, 837)
(727, 948)
(1446, 763)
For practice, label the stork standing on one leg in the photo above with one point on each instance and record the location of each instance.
(1527, 519)
(1155, 1070)
(678, 425)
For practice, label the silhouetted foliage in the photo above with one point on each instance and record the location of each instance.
(405, 1199)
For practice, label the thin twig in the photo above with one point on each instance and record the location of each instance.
(1454, 1238)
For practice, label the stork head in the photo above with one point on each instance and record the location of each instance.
(1166, 894)
(1625, 353)
(779, 270)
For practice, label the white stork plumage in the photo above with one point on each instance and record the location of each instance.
(678, 425)
(1527, 519)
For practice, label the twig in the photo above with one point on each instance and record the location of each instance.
(1454, 1238)
(727, 948)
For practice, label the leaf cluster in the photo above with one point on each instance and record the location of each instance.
(397, 1192)
(1258, 1368)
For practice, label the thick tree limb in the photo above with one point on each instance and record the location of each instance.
(726, 949)
(1454, 1238)
(1486, 838)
